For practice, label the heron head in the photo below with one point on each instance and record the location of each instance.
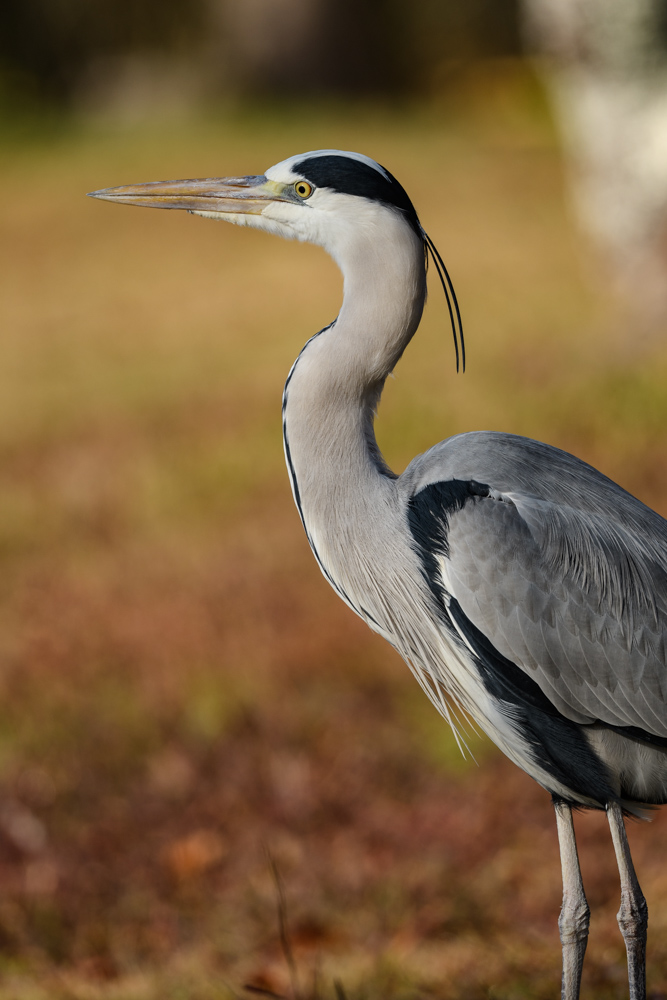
(319, 197)
(342, 201)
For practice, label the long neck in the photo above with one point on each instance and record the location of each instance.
(335, 385)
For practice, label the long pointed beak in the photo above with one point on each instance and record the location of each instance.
(244, 195)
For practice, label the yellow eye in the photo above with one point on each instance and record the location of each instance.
(303, 189)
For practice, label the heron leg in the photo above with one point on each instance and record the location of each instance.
(574, 915)
(633, 914)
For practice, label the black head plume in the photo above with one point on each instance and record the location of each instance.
(452, 301)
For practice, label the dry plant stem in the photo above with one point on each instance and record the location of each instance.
(575, 914)
(284, 932)
(633, 914)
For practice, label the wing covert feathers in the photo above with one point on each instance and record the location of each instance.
(562, 571)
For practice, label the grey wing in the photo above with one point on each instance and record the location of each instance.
(574, 595)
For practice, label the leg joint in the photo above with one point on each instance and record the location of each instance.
(633, 915)
(574, 920)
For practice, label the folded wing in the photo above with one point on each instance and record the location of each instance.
(539, 558)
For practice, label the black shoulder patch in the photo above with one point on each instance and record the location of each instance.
(428, 519)
(349, 176)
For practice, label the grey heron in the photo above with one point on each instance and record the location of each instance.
(525, 589)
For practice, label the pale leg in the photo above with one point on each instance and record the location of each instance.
(574, 914)
(633, 914)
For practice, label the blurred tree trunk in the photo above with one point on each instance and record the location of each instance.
(605, 66)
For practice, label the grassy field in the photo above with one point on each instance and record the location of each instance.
(185, 704)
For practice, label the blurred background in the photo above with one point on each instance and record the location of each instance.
(199, 744)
